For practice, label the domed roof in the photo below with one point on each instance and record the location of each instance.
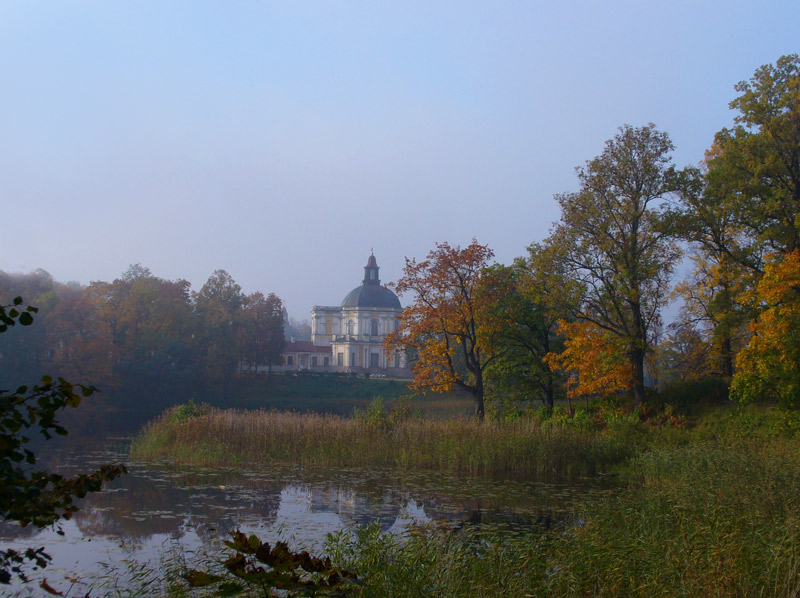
(371, 296)
(371, 293)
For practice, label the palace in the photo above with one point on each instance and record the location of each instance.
(349, 337)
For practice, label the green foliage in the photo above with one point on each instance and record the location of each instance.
(524, 317)
(693, 395)
(752, 168)
(294, 573)
(191, 409)
(374, 415)
(713, 517)
(30, 495)
(11, 315)
(613, 241)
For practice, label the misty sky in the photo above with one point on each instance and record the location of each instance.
(282, 141)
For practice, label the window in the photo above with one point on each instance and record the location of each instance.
(351, 327)
(352, 359)
(340, 359)
(373, 327)
(373, 360)
(303, 360)
(314, 361)
(326, 361)
(289, 360)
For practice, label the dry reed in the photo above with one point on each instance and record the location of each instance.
(232, 437)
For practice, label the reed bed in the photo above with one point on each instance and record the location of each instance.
(231, 437)
(701, 520)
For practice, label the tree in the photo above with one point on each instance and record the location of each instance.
(594, 359)
(523, 330)
(262, 329)
(80, 339)
(685, 354)
(754, 168)
(711, 307)
(29, 495)
(725, 265)
(217, 307)
(613, 242)
(446, 323)
(753, 176)
(769, 366)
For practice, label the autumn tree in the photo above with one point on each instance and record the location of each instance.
(444, 325)
(711, 306)
(80, 342)
(216, 310)
(769, 366)
(613, 241)
(595, 360)
(149, 321)
(753, 175)
(754, 168)
(685, 353)
(24, 350)
(261, 332)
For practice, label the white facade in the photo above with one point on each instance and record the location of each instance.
(356, 330)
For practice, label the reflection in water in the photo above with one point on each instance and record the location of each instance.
(141, 515)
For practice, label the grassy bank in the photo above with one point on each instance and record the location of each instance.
(697, 520)
(707, 506)
(709, 509)
(335, 394)
(377, 438)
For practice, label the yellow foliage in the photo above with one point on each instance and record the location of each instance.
(769, 366)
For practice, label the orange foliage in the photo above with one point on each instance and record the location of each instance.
(445, 325)
(595, 360)
(769, 366)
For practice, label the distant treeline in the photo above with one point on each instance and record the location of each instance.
(140, 338)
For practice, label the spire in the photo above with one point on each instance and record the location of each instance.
(371, 271)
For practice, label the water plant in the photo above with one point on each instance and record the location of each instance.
(380, 438)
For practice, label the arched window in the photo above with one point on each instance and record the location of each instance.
(350, 327)
(373, 327)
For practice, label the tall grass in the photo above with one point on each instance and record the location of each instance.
(711, 509)
(701, 520)
(524, 447)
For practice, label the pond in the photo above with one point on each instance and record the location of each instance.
(159, 509)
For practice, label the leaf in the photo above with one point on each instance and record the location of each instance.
(49, 589)
(230, 588)
(200, 579)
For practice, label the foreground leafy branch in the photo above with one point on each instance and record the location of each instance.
(29, 495)
(296, 573)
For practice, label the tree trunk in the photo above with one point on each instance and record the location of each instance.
(549, 392)
(480, 410)
(727, 357)
(637, 354)
(637, 361)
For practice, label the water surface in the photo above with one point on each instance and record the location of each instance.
(159, 509)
